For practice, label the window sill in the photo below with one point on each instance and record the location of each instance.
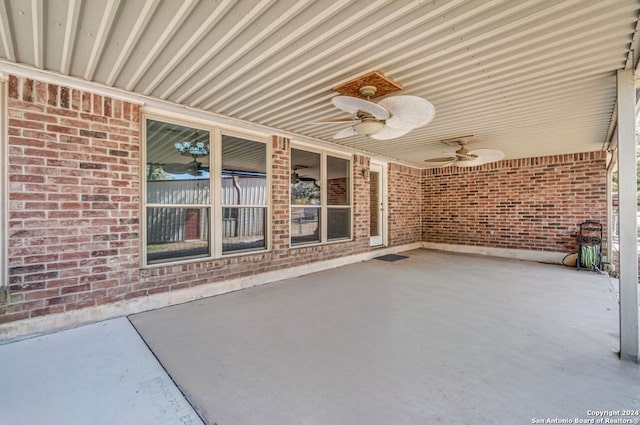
(315, 244)
(204, 259)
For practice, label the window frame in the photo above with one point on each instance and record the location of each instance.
(4, 185)
(215, 191)
(323, 208)
(266, 206)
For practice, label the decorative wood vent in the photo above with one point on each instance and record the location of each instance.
(377, 79)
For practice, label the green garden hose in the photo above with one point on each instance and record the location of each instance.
(590, 257)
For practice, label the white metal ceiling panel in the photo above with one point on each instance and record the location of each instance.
(530, 77)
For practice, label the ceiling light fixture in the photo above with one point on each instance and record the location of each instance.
(194, 148)
(367, 128)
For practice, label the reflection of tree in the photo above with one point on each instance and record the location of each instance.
(156, 172)
(305, 193)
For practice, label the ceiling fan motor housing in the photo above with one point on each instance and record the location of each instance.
(389, 118)
(368, 91)
(368, 126)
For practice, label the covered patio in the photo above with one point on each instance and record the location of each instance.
(435, 337)
(224, 173)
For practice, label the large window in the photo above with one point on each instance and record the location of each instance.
(244, 194)
(206, 193)
(178, 192)
(320, 197)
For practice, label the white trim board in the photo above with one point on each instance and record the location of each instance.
(516, 254)
(55, 322)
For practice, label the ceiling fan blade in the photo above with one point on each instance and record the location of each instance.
(389, 133)
(347, 132)
(440, 164)
(192, 168)
(353, 104)
(441, 159)
(487, 155)
(176, 168)
(468, 163)
(408, 112)
(337, 121)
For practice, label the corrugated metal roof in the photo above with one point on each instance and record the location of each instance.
(528, 77)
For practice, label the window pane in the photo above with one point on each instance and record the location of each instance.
(305, 193)
(338, 223)
(177, 233)
(244, 172)
(338, 181)
(243, 229)
(178, 192)
(305, 225)
(305, 178)
(177, 164)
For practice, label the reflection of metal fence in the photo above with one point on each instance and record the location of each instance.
(305, 225)
(244, 222)
(176, 224)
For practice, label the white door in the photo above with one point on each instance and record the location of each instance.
(377, 220)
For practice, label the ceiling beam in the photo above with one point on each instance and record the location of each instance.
(6, 32)
(191, 43)
(108, 17)
(185, 9)
(37, 26)
(369, 53)
(441, 33)
(70, 32)
(139, 27)
(229, 35)
(292, 11)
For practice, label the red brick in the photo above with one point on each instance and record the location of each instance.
(517, 192)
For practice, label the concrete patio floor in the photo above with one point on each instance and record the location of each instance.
(100, 374)
(434, 338)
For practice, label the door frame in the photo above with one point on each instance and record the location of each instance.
(382, 239)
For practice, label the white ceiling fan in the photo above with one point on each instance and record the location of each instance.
(463, 157)
(389, 118)
(302, 173)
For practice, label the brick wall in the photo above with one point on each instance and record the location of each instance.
(532, 203)
(404, 204)
(73, 199)
(74, 208)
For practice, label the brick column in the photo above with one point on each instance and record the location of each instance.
(280, 187)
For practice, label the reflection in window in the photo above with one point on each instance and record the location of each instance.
(338, 193)
(243, 229)
(338, 223)
(314, 218)
(178, 192)
(244, 183)
(338, 190)
(305, 225)
(305, 178)
(177, 233)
